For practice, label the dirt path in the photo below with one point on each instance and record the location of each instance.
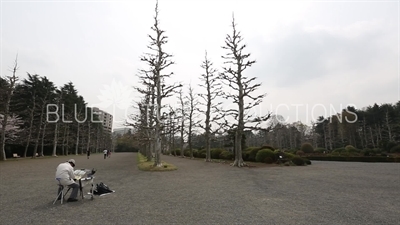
(204, 193)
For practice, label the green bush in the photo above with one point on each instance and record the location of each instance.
(215, 153)
(186, 153)
(267, 147)
(298, 161)
(253, 154)
(339, 150)
(334, 154)
(307, 161)
(395, 149)
(201, 154)
(246, 155)
(307, 148)
(300, 153)
(351, 149)
(268, 160)
(355, 158)
(320, 150)
(227, 155)
(288, 155)
(263, 154)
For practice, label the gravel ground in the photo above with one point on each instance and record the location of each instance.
(204, 193)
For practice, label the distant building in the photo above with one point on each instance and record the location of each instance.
(105, 118)
(122, 131)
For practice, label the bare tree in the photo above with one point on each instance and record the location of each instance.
(213, 89)
(159, 60)
(192, 103)
(11, 82)
(182, 118)
(237, 62)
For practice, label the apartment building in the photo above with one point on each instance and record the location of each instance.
(106, 118)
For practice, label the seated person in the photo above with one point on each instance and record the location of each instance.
(65, 172)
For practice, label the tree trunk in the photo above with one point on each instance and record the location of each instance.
(88, 139)
(388, 125)
(157, 160)
(3, 134)
(67, 142)
(39, 131)
(3, 131)
(372, 137)
(28, 140)
(207, 136)
(77, 139)
(12, 79)
(240, 126)
(182, 140)
(42, 139)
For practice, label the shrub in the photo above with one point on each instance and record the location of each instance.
(350, 149)
(335, 153)
(201, 154)
(289, 155)
(395, 149)
(355, 158)
(215, 153)
(263, 154)
(253, 154)
(338, 150)
(320, 150)
(268, 160)
(300, 153)
(267, 147)
(186, 153)
(307, 148)
(177, 152)
(298, 161)
(307, 161)
(390, 145)
(226, 155)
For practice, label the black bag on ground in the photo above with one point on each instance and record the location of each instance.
(102, 189)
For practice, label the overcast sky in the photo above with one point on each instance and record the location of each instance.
(310, 55)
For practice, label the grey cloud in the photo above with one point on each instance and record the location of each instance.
(302, 55)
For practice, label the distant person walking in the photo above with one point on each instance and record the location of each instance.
(88, 153)
(105, 153)
(109, 153)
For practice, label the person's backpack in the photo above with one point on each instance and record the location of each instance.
(102, 189)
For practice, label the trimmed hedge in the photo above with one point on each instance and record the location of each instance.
(201, 154)
(253, 154)
(226, 155)
(215, 153)
(307, 148)
(395, 149)
(320, 150)
(262, 156)
(298, 161)
(355, 158)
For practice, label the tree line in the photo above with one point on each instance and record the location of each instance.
(38, 118)
(159, 128)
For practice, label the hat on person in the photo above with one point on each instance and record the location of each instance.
(72, 161)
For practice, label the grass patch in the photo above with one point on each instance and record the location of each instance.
(144, 165)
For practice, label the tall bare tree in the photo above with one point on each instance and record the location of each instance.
(11, 81)
(237, 62)
(192, 117)
(182, 118)
(213, 89)
(159, 60)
